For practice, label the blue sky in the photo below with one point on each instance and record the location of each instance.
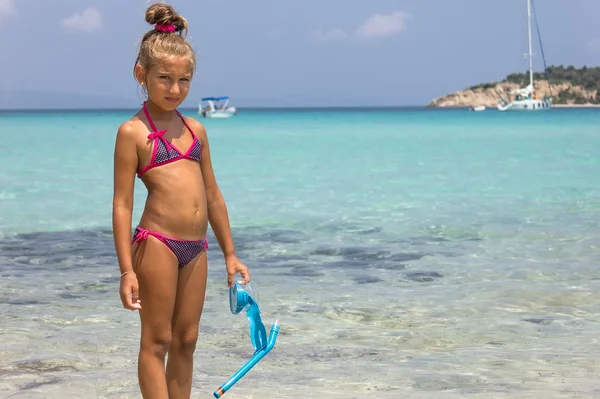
(288, 53)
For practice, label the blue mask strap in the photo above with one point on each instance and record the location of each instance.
(258, 333)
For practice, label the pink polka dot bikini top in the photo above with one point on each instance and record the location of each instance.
(164, 152)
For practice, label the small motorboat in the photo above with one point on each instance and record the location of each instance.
(213, 107)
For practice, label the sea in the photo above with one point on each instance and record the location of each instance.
(410, 252)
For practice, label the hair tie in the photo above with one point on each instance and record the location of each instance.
(165, 28)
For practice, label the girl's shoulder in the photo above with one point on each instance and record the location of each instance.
(132, 128)
(196, 127)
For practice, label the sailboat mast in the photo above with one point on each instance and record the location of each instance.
(530, 51)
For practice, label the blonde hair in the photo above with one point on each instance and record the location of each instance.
(157, 45)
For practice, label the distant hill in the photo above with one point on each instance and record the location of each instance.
(568, 85)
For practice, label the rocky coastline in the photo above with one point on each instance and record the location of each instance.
(487, 94)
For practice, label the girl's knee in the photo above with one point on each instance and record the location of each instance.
(185, 340)
(158, 344)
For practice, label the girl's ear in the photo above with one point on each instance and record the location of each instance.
(140, 74)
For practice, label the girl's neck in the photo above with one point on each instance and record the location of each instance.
(157, 112)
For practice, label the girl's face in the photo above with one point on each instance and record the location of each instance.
(168, 82)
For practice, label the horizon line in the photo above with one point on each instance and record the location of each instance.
(248, 108)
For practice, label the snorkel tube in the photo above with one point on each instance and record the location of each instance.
(241, 298)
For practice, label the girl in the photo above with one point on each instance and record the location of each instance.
(163, 269)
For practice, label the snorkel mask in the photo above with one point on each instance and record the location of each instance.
(245, 297)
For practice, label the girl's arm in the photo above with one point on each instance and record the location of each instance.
(217, 210)
(125, 166)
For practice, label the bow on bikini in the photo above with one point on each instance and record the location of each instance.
(160, 135)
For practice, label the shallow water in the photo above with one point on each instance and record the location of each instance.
(417, 254)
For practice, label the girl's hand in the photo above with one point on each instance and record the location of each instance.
(235, 266)
(129, 292)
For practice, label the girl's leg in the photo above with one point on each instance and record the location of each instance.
(156, 270)
(189, 302)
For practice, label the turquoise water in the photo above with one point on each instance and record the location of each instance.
(411, 253)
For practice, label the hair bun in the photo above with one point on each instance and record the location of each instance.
(164, 14)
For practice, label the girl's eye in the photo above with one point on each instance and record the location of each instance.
(164, 77)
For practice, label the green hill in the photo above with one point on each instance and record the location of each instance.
(567, 86)
(588, 78)
(585, 78)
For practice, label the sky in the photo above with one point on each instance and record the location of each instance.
(80, 53)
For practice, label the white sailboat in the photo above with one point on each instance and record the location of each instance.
(525, 98)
